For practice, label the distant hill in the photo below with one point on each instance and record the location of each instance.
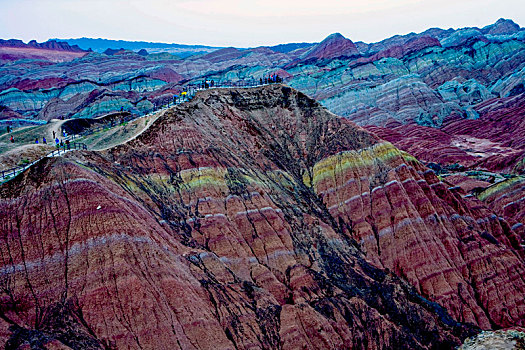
(48, 45)
(181, 50)
(285, 48)
(51, 50)
(101, 45)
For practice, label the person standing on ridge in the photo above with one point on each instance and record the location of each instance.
(44, 140)
(54, 135)
(36, 140)
(12, 139)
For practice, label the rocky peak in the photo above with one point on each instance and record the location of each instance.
(59, 45)
(334, 37)
(501, 27)
(335, 45)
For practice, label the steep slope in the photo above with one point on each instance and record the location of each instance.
(507, 199)
(250, 219)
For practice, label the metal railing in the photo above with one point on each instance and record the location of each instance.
(6, 174)
(190, 91)
(61, 149)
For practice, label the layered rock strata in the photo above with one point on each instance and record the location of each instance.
(250, 219)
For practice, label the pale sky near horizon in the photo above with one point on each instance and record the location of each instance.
(244, 23)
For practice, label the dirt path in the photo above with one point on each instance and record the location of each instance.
(25, 149)
(119, 134)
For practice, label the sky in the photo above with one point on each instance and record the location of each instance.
(244, 23)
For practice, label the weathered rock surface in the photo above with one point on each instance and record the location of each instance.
(509, 339)
(495, 141)
(250, 219)
(427, 144)
(468, 184)
(508, 200)
(502, 121)
(398, 51)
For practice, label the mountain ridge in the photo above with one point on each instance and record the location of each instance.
(253, 217)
